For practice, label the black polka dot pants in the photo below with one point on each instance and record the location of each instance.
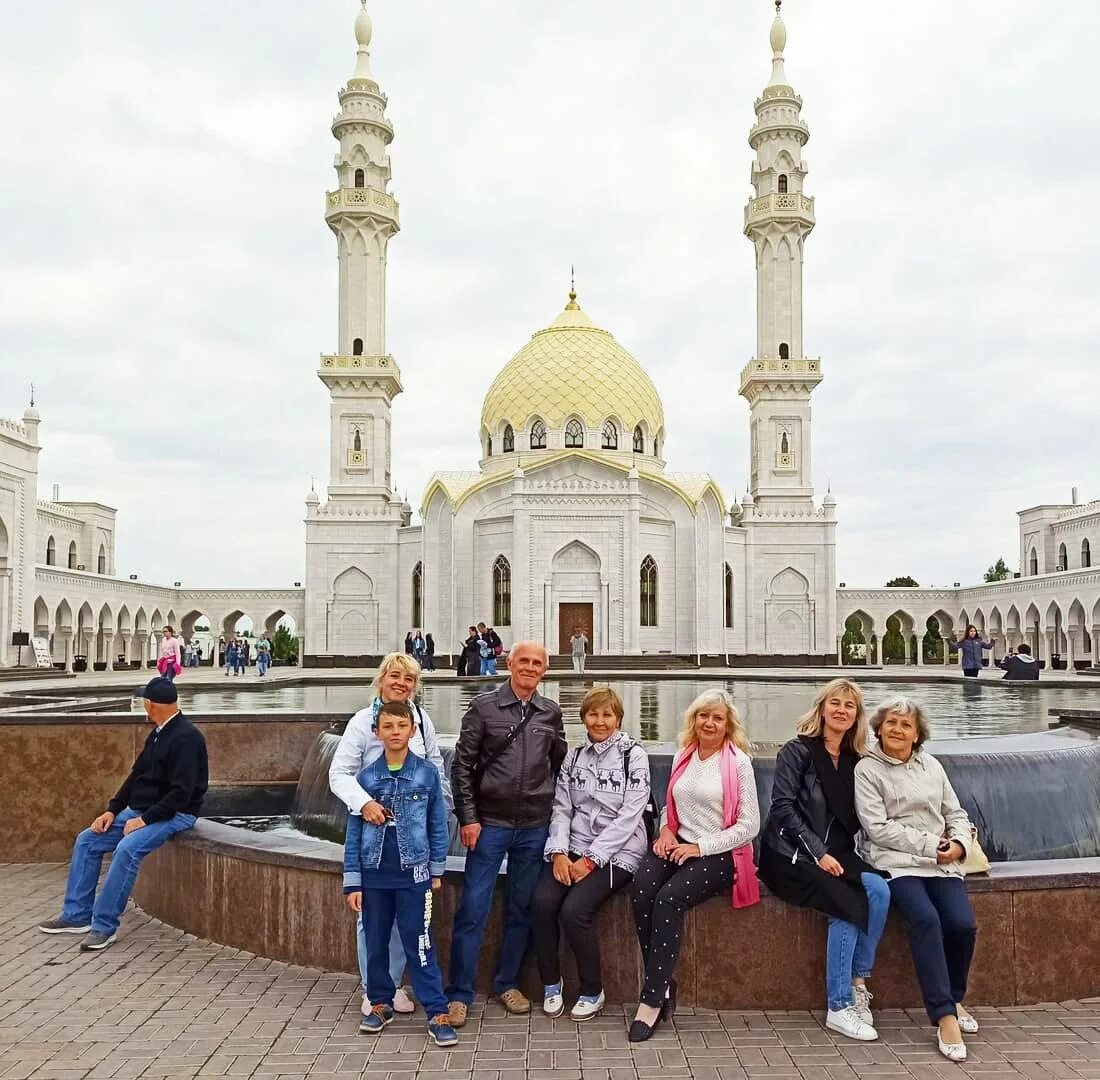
(661, 896)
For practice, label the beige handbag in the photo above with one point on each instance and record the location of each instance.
(976, 861)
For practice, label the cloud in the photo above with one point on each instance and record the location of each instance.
(168, 282)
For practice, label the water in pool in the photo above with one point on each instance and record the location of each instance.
(654, 706)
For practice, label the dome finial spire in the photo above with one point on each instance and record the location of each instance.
(778, 40)
(572, 305)
(364, 32)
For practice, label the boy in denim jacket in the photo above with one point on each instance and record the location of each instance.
(391, 871)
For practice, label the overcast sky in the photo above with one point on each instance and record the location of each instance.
(168, 282)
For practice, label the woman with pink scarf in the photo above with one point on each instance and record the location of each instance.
(704, 847)
(169, 659)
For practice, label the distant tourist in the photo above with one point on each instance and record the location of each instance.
(1022, 665)
(170, 656)
(162, 796)
(188, 655)
(244, 654)
(704, 847)
(597, 839)
(418, 647)
(808, 849)
(429, 653)
(490, 648)
(231, 656)
(396, 680)
(506, 764)
(915, 829)
(263, 657)
(409, 644)
(469, 657)
(198, 655)
(391, 868)
(578, 643)
(971, 648)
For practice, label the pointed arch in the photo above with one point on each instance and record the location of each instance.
(1063, 557)
(508, 440)
(727, 595)
(574, 434)
(418, 595)
(789, 582)
(101, 560)
(1033, 563)
(360, 178)
(609, 436)
(538, 434)
(72, 554)
(353, 582)
(502, 591)
(1086, 553)
(51, 552)
(648, 582)
(639, 440)
(781, 187)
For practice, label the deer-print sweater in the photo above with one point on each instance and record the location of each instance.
(601, 795)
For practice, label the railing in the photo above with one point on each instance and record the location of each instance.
(792, 203)
(1080, 511)
(362, 198)
(13, 425)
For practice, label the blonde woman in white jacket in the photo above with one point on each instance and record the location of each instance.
(915, 830)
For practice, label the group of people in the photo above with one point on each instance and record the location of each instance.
(422, 648)
(1018, 664)
(480, 651)
(239, 654)
(862, 818)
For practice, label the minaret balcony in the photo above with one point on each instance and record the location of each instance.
(347, 372)
(785, 206)
(364, 201)
(775, 373)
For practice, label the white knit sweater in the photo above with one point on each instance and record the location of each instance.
(698, 795)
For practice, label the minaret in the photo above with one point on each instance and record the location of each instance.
(362, 379)
(778, 218)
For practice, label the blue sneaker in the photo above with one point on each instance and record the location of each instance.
(587, 1007)
(374, 1021)
(440, 1029)
(553, 1004)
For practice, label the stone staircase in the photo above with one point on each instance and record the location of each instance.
(644, 662)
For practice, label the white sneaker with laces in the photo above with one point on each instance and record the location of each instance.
(849, 1023)
(403, 1000)
(587, 1007)
(553, 1004)
(862, 1004)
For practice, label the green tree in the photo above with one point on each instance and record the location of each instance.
(905, 582)
(284, 645)
(997, 572)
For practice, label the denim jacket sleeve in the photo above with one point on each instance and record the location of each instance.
(438, 833)
(561, 818)
(353, 868)
(617, 833)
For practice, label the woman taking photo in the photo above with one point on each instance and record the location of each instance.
(808, 851)
(914, 828)
(704, 847)
(597, 839)
(396, 680)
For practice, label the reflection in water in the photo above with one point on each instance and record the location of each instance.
(654, 706)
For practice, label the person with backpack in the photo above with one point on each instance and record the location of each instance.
(489, 647)
(396, 680)
(598, 836)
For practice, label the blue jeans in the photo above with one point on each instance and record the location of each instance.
(942, 932)
(410, 911)
(170, 673)
(851, 952)
(488, 665)
(82, 906)
(395, 952)
(262, 663)
(524, 850)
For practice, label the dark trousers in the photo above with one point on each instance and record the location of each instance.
(412, 910)
(971, 672)
(524, 849)
(662, 895)
(572, 908)
(942, 931)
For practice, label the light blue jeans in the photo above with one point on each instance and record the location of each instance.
(397, 952)
(851, 952)
(104, 911)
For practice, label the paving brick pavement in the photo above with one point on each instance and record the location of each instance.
(162, 1005)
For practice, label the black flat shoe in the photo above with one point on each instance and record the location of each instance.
(640, 1032)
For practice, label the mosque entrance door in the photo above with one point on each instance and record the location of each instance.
(570, 616)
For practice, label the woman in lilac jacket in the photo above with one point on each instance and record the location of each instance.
(597, 839)
(971, 648)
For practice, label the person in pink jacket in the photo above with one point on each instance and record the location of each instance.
(169, 660)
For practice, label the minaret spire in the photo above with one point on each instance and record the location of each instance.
(364, 31)
(778, 39)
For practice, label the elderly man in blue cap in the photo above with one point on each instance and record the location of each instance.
(161, 797)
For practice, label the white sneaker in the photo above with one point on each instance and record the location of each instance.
(587, 1007)
(849, 1023)
(951, 1051)
(403, 1001)
(862, 1005)
(553, 1004)
(968, 1025)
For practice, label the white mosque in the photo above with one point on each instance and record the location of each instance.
(572, 517)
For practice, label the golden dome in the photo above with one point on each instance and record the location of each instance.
(573, 368)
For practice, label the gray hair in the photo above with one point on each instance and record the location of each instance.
(903, 706)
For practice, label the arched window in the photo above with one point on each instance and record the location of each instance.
(1033, 563)
(610, 437)
(1063, 558)
(648, 592)
(656, 448)
(639, 440)
(360, 178)
(51, 552)
(502, 592)
(782, 183)
(72, 555)
(357, 347)
(489, 446)
(727, 594)
(784, 351)
(418, 595)
(574, 435)
(538, 435)
(1086, 553)
(101, 562)
(509, 441)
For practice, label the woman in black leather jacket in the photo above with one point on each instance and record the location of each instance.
(808, 852)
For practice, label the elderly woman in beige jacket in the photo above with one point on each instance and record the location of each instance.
(915, 830)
